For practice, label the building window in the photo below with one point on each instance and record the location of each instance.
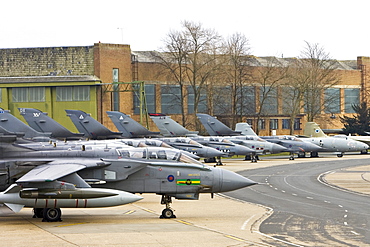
(269, 102)
(351, 97)
(297, 124)
(332, 100)
(221, 100)
(115, 93)
(150, 98)
(28, 94)
(202, 104)
(261, 124)
(286, 124)
(78, 93)
(274, 124)
(171, 99)
(245, 100)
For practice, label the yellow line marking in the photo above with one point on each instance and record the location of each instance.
(148, 210)
(235, 238)
(184, 222)
(130, 212)
(75, 224)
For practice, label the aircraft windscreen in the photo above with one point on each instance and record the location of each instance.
(194, 142)
(165, 145)
(168, 154)
(226, 141)
(187, 159)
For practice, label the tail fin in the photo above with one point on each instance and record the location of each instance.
(13, 124)
(91, 127)
(245, 129)
(312, 129)
(128, 126)
(169, 127)
(41, 122)
(214, 127)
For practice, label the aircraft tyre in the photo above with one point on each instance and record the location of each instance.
(167, 213)
(314, 154)
(52, 214)
(302, 155)
(340, 155)
(38, 213)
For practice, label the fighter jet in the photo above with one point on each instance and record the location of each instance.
(337, 144)
(91, 127)
(169, 127)
(260, 146)
(41, 122)
(129, 127)
(293, 144)
(48, 177)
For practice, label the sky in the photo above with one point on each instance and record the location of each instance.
(273, 27)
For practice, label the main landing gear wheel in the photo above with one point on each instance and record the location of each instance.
(167, 213)
(52, 214)
(340, 155)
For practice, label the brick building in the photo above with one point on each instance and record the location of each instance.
(92, 79)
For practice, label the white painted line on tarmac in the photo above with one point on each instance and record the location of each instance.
(246, 222)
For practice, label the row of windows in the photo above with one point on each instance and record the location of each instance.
(274, 124)
(171, 100)
(37, 94)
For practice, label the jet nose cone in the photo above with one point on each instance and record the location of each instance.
(233, 181)
(242, 150)
(276, 148)
(212, 152)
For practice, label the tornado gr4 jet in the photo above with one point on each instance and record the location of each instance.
(48, 178)
(41, 122)
(260, 146)
(169, 127)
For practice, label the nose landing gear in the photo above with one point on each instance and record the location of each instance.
(167, 213)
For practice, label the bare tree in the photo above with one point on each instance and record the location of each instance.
(315, 72)
(190, 57)
(268, 77)
(236, 71)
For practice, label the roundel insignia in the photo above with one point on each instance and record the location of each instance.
(170, 178)
(317, 131)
